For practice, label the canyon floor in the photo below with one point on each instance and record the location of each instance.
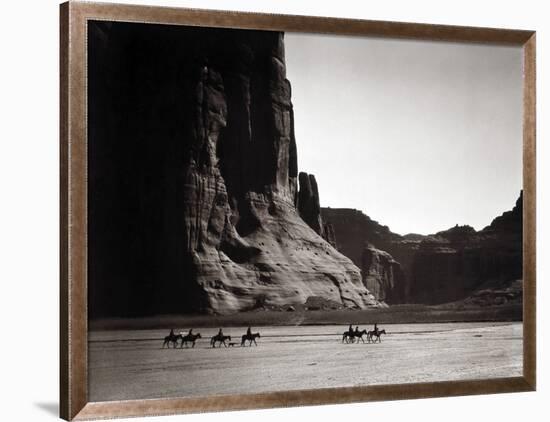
(131, 364)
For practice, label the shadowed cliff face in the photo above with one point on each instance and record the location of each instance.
(442, 267)
(451, 264)
(309, 208)
(193, 177)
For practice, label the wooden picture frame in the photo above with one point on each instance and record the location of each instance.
(74, 403)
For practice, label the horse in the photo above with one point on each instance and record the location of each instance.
(251, 338)
(348, 336)
(189, 338)
(360, 334)
(171, 338)
(219, 338)
(377, 334)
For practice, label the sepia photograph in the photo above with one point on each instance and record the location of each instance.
(224, 210)
(272, 211)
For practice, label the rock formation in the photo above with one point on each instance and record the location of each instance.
(200, 126)
(442, 267)
(451, 264)
(382, 275)
(309, 208)
(353, 230)
(308, 202)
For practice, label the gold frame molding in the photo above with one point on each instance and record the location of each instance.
(73, 209)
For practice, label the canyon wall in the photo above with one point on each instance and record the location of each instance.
(437, 268)
(194, 197)
(382, 275)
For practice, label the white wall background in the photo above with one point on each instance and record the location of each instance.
(29, 207)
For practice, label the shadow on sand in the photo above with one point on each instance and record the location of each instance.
(49, 407)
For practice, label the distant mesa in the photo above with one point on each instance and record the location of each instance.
(443, 267)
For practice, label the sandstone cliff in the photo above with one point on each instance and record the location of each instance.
(438, 268)
(452, 264)
(309, 208)
(382, 275)
(200, 126)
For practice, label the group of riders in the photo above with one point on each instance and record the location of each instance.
(352, 335)
(220, 338)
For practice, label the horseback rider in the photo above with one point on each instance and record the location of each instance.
(350, 329)
(356, 329)
(220, 333)
(376, 328)
(249, 332)
(190, 332)
(172, 332)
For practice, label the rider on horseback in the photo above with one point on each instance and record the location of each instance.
(249, 332)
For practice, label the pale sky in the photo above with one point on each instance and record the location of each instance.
(418, 135)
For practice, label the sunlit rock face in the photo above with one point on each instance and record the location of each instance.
(248, 244)
(207, 127)
(382, 274)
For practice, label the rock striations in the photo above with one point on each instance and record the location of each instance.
(230, 173)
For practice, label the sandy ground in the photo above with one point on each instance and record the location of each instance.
(132, 365)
